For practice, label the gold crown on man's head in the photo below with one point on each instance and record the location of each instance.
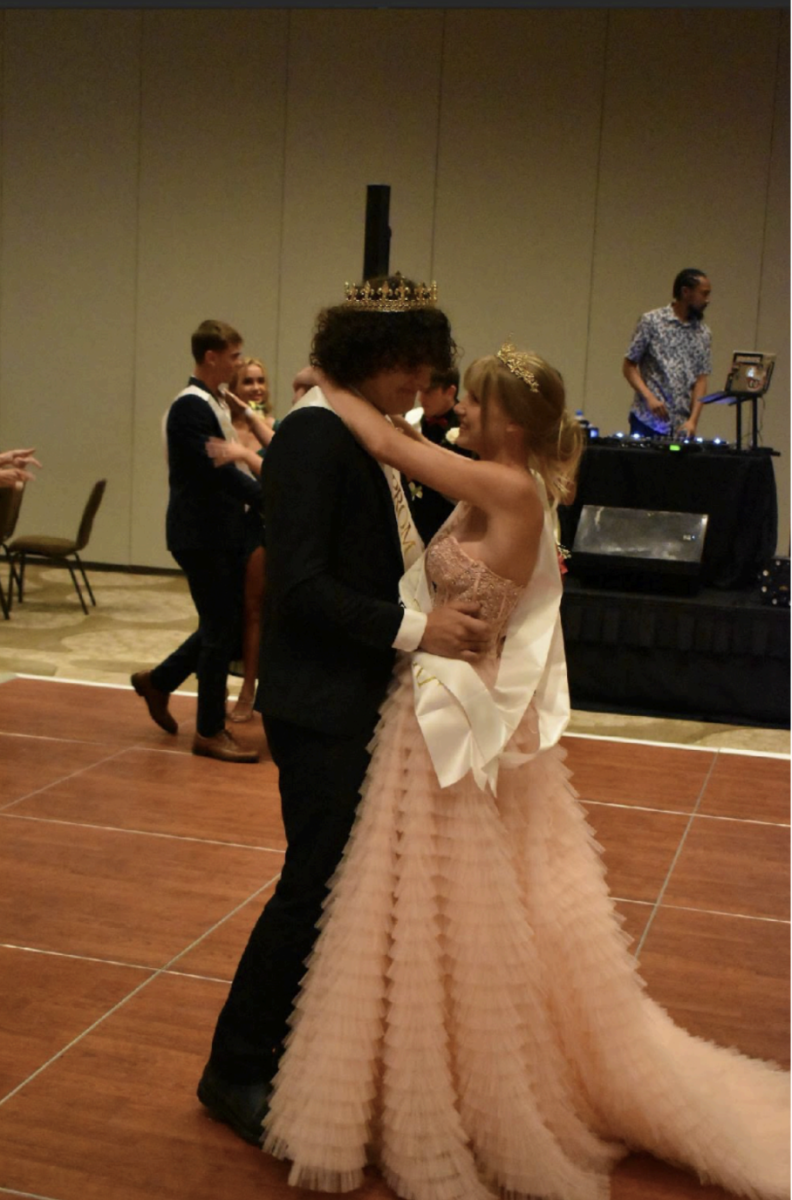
(517, 363)
(399, 297)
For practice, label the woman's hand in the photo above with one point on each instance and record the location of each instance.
(304, 380)
(222, 453)
(14, 477)
(260, 428)
(236, 407)
(19, 458)
(404, 426)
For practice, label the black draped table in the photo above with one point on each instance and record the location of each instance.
(716, 656)
(736, 489)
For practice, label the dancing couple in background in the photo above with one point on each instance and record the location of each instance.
(471, 1020)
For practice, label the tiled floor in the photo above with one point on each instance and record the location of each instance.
(131, 873)
(139, 618)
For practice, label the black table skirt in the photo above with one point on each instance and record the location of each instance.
(719, 656)
(737, 491)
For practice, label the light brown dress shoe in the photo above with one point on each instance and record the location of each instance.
(156, 701)
(223, 746)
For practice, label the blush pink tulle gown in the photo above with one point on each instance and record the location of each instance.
(472, 1022)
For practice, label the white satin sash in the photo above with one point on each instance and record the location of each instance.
(219, 410)
(466, 726)
(411, 544)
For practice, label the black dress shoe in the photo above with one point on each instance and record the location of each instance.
(156, 701)
(243, 1106)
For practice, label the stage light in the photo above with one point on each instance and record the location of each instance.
(636, 437)
(619, 434)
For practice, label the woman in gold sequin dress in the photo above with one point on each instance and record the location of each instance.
(471, 1021)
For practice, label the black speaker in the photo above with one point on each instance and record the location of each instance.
(635, 548)
(376, 250)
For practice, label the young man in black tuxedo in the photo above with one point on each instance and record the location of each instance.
(339, 537)
(205, 528)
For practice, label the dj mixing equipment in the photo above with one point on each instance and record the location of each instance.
(688, 445)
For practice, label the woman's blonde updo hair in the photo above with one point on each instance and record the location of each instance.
(554, 439)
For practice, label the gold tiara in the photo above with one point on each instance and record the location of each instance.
(517, 363)
(400, 298)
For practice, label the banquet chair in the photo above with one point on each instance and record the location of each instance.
(10, 504)
(64, 551)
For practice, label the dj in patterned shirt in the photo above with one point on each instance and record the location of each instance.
(669, 359)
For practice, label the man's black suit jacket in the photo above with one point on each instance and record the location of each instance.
(334, 560)
(206, 504)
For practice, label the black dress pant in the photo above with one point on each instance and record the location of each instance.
(216, 582)
(320, 779)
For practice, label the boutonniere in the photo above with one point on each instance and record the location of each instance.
(452, 434)
(416, 489)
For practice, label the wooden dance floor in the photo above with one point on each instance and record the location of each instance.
(131, 873)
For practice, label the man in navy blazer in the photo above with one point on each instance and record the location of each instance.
(339, 536)
(205, 534)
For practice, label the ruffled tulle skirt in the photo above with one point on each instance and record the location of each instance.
(472, 1022)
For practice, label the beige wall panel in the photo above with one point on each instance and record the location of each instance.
(164, 166)
(773, 331)
(362, 109)
(68, 255)
(517, 180)
(211, 170)
(683, 183)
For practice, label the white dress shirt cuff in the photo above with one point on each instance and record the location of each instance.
(411, 630)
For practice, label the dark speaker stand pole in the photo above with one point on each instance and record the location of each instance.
(376, 250)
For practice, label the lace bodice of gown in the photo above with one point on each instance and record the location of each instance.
(454, 575)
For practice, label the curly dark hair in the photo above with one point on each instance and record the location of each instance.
(352, 345)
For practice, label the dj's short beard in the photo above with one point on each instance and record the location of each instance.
(696, 313)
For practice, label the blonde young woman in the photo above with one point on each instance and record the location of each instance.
(250, 408)
(251, 385)
(472, 1021)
